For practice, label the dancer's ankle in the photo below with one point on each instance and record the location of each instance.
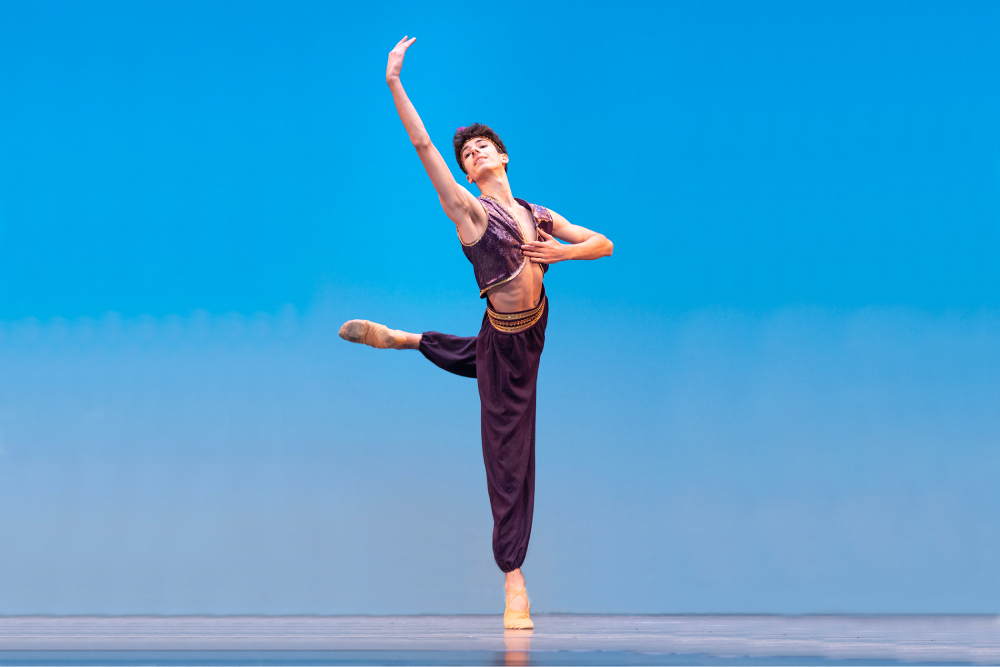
(514, 581)
(411, 341)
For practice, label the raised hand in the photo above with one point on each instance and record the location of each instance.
(396, 59)
(546, 250)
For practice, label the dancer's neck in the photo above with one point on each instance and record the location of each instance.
(498, 189)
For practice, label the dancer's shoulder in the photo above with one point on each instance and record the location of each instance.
(540, 212)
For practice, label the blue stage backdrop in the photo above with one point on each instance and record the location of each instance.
(779, 395)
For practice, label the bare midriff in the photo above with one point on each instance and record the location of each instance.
(520, 293)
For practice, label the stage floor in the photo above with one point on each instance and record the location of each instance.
(558, 639)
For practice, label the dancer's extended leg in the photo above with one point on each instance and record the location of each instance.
(455, 354)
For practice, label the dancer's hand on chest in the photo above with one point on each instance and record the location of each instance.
(546, 250)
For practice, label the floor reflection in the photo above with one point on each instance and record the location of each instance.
(518, 644)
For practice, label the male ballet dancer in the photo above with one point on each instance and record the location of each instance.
(510, 244)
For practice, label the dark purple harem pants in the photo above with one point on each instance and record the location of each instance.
(506, 368)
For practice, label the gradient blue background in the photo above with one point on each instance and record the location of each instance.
(781, 394)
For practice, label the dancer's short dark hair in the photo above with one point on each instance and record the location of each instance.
(474, 131)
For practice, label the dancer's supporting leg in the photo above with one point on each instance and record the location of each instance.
(508, 422)
(507, 392)
(508, 351)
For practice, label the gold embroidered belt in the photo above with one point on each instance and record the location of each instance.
(516, 322)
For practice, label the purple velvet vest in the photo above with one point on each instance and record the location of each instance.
(496, 255)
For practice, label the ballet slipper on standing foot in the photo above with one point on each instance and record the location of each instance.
(372, 334)
(515, 619)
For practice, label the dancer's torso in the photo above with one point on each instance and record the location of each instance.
(504, 275)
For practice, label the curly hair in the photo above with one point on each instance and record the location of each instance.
(474, 131)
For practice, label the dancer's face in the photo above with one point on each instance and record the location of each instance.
(480, 156)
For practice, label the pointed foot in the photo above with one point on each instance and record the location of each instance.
(372, 334)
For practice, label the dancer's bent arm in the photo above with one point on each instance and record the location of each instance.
(581, 243)
(458, 203)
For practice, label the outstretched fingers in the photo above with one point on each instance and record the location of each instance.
(403, 44)
(395, 65)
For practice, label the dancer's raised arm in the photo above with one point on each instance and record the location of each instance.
(458, 203)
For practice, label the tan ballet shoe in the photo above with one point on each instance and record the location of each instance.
(517, 620)
(372, 334)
